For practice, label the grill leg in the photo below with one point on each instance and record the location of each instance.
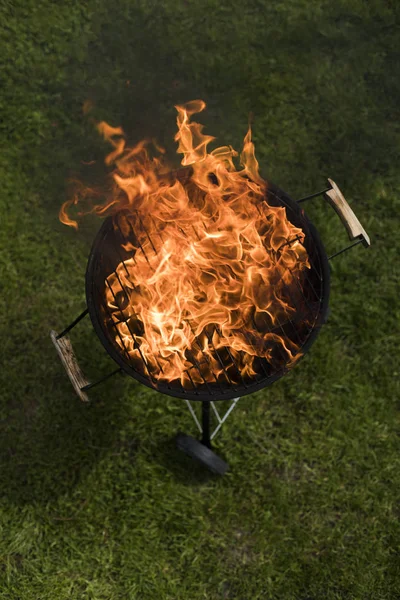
(205, 422)
(201, 450)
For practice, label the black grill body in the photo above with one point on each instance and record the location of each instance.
(107, 252)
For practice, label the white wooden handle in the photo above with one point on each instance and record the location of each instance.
(353, 226)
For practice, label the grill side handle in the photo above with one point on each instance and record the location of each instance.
(335, 198)
(353, 226)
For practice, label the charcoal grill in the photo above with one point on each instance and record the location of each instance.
(310, 297)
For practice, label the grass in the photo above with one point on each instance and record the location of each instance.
(96, 502)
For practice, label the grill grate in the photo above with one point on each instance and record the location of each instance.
(309, 298)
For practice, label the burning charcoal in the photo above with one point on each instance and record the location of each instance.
(136, 327)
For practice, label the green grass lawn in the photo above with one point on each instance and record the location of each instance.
(96, 502)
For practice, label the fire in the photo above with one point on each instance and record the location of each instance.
(210, 264)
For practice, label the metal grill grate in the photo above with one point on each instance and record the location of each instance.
(309, 297)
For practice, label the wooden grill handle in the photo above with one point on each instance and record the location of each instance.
(353, 226)
(67, 355)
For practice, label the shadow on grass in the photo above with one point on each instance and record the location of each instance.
(50, 439)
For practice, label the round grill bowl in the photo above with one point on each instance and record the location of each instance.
(107, 253)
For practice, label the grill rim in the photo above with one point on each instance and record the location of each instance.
(205, 395)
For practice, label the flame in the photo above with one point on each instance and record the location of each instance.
(211, 268)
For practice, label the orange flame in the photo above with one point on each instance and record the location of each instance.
(209, 264)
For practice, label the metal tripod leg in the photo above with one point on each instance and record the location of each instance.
(201, 450)
(220, 419)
